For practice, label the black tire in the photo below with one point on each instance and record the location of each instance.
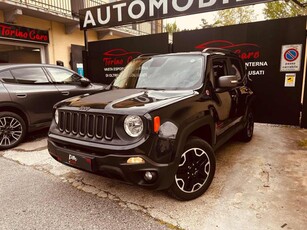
(12, 130)
(246, 134)
(195, 171)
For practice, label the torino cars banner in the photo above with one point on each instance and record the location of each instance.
(132, 11)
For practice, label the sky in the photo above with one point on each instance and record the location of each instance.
(190, 22)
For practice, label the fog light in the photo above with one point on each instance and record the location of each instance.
(150, 176)
(136, 160)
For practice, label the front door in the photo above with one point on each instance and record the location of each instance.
(34, 92)
(226, 99)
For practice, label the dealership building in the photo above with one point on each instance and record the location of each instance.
(44, 31)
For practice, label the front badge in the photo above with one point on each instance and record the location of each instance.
(84, 108)
(72, 159)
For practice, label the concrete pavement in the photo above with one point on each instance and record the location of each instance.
(258, 185)
(30, 199)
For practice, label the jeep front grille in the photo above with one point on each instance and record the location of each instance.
(87, 124)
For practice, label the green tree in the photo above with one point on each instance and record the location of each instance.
(171, 27)
(235, 16)
(282, 9)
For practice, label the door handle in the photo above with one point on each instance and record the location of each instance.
(65, 93)
(21, 95)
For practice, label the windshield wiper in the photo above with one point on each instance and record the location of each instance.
(142, 88)
(110, 85)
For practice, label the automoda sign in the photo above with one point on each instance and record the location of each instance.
(131, 11)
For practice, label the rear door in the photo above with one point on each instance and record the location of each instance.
(34, 92)
(237, 68)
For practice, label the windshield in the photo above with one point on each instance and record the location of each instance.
(167, 72)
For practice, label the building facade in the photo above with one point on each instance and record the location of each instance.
(43, 31)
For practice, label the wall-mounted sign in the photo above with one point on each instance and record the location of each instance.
(115, 60)
(291, 58)
(9, 31)
(80, 69)
(290, 80)
(131, 11)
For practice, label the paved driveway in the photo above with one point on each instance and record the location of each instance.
(258, 185)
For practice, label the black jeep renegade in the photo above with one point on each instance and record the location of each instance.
(159, 123)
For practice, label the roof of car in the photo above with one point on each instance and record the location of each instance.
(13, 65)
(205, 52)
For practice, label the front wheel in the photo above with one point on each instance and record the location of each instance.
(195, 171)
(12, 130)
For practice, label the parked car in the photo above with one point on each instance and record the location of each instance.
(28, 93)
(159, 123)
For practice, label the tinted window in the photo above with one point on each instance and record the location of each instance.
(63, 76)
(6, 76)
(219, 69)
(30, 75)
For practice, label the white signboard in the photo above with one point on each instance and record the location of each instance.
(291, 56)
(126, 12)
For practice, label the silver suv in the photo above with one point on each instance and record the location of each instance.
(28, 93)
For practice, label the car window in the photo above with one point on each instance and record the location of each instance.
(30, 75)
(236, 68)
(219, 69)
(162, 72)
(6, 76)
(63, 76)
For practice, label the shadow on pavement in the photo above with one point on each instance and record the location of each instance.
(36, 135)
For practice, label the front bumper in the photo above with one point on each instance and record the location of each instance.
(114, 165)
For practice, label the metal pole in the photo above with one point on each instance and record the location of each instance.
(85, 55)
(85, 41)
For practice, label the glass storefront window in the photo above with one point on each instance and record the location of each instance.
(20, 54)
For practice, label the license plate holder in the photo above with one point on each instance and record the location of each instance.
(78, 161)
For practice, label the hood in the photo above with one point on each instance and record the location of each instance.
(124, 100)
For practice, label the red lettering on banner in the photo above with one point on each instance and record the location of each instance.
(129, 59)
(38, 37)
(112, 61)
(13, 32)
(247, 55)
(246, 51)
(3, 29)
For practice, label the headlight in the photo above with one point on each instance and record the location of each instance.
(133, 125)
(56, 116)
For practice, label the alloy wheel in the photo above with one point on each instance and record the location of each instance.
(10, 131)
(193, 170)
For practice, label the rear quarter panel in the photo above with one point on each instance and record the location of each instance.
(4, 95)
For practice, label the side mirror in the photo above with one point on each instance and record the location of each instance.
(228, 81)
(85, 82)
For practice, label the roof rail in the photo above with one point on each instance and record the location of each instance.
(147, 55)
(217, 50)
